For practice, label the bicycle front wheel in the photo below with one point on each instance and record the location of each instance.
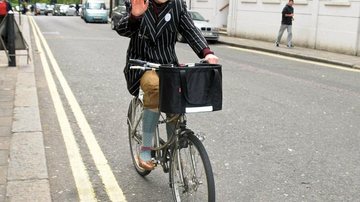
(134, 122)
(191, 175)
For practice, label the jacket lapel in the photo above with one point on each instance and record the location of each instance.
(150, 22)
(165, 18)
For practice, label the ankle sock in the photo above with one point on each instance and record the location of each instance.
(150, 119)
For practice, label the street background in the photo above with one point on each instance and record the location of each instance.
(289, 129)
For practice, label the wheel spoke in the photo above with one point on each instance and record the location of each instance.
(192, 181)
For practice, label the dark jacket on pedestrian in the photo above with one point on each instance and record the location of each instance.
(287, 20)
(153, 36)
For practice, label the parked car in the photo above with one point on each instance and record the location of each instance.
(210, 32)
(95, 11)
(63, 9)
(81, 11)
(40, 8)
(49, 9)
(71, 10)
(117, 14)
(56, 10)
(67, 10)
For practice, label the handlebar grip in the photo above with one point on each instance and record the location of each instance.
(137, 62)
(138, 67)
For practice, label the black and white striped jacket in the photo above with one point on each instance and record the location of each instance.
(153, 37)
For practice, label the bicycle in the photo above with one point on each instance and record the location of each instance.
(183, 155)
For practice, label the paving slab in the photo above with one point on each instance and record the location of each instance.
(6, 110)
(30, 164)
(26, 191)
(4, 157)
(7, 95)
(3, 174)
(4, 143)
(25, 79)
(5, 121)
(2, 192)
(25, 97)
(5, 131)
(26, 119)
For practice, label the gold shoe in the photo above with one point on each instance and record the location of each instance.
(146, 165)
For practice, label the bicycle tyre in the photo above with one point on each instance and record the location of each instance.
(135, 133)
(192, 185)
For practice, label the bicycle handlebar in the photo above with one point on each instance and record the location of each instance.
(139, 67)
(136, 62)
(143, 65)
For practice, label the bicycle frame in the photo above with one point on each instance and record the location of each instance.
(181, 155)
(161, 148)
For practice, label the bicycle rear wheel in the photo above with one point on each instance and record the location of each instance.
(191, 175)
(134, 122)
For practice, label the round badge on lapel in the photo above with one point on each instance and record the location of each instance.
(167, 17)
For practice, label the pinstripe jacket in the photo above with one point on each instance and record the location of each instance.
(153, 37)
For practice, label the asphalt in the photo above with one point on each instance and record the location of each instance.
(23, 170)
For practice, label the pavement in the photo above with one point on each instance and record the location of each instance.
(23, 168)
(349, 61)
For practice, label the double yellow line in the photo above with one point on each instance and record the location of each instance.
(83, 184)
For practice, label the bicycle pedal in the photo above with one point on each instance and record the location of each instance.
(155, 162)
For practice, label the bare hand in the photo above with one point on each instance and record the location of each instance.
(138, 7)
(211, 59)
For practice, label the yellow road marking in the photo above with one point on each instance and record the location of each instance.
(111, 186)
(81, 177)
(295, 59)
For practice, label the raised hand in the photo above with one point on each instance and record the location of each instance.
(138, 7)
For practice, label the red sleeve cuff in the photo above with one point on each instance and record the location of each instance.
(206, 51)
(133, 17)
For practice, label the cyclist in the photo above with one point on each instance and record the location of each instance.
(152, 26)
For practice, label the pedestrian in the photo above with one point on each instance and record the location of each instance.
(286, 23)
(77, 7)
(32, 8)
(5, 7)
(24, 5)
(152, 26)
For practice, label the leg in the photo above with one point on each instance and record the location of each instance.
(289, 38)
(281, 32)
(150, 85)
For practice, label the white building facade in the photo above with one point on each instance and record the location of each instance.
(332, 25)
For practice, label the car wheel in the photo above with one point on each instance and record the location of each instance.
(180, 38)
(112, 25)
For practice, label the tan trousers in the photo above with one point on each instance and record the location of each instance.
(149, 83)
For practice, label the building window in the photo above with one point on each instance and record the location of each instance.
(248, 1)
(271, 1)
(338, 3)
